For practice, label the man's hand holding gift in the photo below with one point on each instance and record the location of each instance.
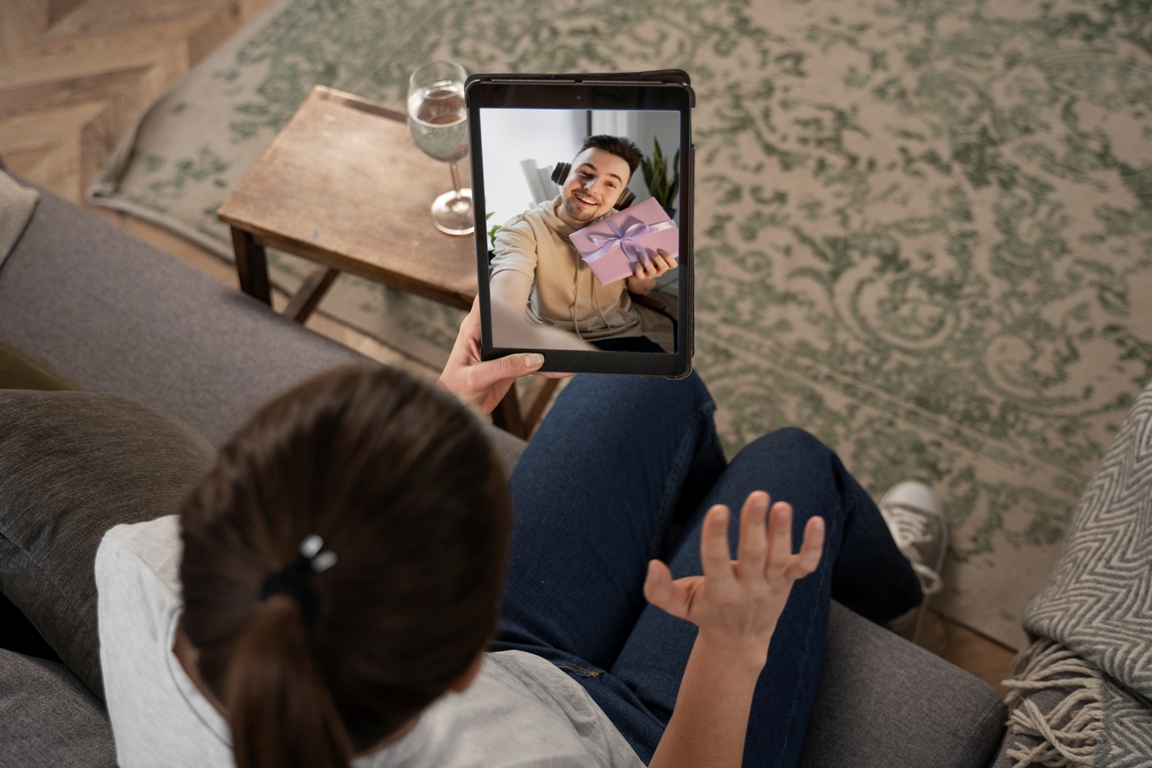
(637, 244)
(643, 279)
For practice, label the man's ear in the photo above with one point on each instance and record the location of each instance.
(469, 675)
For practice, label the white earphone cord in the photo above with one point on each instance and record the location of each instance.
(576, 299)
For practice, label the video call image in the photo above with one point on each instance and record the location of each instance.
(582, 222)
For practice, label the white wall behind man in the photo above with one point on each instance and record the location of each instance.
(548, 136)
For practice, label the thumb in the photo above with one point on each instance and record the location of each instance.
(660, 591)
(491, 372)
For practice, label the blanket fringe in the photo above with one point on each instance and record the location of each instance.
(1047, 664)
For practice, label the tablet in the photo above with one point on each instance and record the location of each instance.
(582, 192)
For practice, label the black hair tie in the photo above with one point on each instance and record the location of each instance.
(295, 580)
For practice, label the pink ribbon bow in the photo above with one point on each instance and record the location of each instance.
(626, 239)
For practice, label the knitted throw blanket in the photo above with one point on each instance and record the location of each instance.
(1092, 621)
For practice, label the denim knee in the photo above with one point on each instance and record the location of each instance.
(802, 447)
(801, 467)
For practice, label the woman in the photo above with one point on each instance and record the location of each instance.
(352, 557)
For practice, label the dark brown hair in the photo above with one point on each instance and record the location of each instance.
(623, 148)
(403, 486)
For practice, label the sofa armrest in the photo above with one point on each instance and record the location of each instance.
(114, 314)
(886, 703)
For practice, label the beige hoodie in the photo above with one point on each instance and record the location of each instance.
(565, 293)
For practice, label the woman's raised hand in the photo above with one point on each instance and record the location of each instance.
(736, 603)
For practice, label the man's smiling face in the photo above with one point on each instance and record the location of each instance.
(594, 184)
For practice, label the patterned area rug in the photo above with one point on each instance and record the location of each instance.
(924, 227)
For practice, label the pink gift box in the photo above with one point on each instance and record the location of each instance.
(612, 247)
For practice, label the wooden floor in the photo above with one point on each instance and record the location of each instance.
(75, 75)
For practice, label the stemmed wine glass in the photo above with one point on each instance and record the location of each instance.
(439, 124)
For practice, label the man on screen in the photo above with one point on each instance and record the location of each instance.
(537, 271)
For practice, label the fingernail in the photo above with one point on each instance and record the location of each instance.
(534, 360)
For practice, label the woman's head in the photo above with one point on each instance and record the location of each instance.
(403, 487)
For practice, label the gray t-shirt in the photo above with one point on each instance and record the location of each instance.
(520, 711)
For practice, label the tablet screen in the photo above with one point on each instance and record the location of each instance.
(582, 214)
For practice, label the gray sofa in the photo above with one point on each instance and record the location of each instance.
(115, 315)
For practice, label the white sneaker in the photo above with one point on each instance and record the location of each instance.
(915, 518)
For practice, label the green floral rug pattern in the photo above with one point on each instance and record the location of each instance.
(924, 229)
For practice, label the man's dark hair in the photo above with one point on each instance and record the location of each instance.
(402, 485)
(623, 148)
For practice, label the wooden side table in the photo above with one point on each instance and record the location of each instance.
(344, 186)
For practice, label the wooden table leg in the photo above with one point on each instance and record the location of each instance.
(536, 410)
(251, 266)
(310, 293)
(507, 415)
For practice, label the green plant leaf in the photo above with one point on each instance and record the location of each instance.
(656, 175)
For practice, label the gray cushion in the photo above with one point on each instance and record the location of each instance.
(885, 703)
(19, 370)
(72, 465)
(50, 718)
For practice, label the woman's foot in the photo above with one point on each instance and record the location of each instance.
(915, 518)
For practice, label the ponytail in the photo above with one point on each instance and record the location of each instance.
(279, 705)
(399, 483)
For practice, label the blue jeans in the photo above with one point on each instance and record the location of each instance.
(616, 464)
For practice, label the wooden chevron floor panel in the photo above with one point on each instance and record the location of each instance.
(76, 74)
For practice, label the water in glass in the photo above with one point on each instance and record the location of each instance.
(439, 121)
